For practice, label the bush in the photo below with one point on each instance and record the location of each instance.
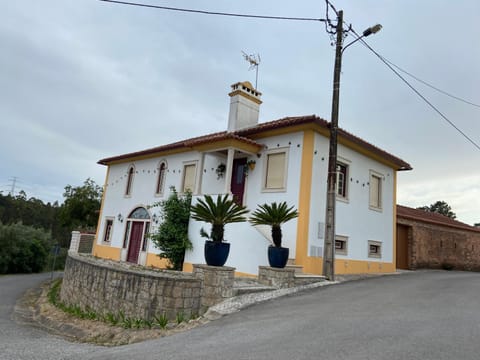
(172, 234)
(24, 249)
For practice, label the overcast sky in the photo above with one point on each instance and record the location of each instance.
(82, 80)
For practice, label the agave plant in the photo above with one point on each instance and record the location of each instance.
(274, 215)
(218, 213)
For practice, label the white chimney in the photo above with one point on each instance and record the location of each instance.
(244, 106)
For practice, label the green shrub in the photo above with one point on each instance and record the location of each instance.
(172, 234)
(24, 249)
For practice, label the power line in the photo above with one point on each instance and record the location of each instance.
(417, 92)
(204, 12)
(430, 85)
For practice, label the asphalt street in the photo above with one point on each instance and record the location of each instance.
(22, 341)
(419, 315)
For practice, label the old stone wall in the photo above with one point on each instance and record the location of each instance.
(280, 278)
(108, 288)
(436, 246)
(217, 283)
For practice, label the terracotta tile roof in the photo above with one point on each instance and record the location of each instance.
(300, 120)
(183, 144)
(432, 218)
(242, 135)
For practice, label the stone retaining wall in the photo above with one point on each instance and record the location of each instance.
(108, 288)
(279, 278)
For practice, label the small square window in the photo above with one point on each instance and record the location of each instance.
(374, 249)
(341, 245)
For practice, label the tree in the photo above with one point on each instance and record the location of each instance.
(24, 249)
(81, 206)
(440, 207)
(172, 234)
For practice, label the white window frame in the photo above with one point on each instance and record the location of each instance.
(160, 183)
(346, 164)
(380, 178)
(107, 238)
(378, 244)
(185, 164)
(344, 239)
(283, 188)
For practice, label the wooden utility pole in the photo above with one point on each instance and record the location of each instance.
(329, 242)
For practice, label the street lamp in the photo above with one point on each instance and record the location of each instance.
(329, 242)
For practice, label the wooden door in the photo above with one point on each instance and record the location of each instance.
(237, 186)
(402, 246)
(136, 236)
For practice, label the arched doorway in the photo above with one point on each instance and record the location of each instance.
(138, 225)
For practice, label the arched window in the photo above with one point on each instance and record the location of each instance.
(128, 189)
(161, 178)
(139, 213)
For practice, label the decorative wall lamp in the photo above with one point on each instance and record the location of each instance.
(251, 164)
(120, 217)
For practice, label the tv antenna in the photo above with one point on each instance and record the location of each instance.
(254, 61)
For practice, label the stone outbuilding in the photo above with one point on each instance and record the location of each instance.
(434, 241)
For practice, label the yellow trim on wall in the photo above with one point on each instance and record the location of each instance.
(347, 266)
(304, 197)
(187, 267)
(155, 261)
(107, 252)
(99, 222)
(242, 274)
(228, 143)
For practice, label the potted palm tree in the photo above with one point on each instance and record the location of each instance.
(275, 215)
(217, 213)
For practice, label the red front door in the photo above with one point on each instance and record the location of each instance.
(237, 186)
(136, 237)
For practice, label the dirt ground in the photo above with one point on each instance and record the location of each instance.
(35, 309)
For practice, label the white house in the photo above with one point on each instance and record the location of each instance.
(291, 160)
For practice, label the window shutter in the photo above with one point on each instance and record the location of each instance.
(275, 171)
(375, 191)
(189, 178)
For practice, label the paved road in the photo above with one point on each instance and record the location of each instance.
(421, 315)
(424, 315)
(22, 341)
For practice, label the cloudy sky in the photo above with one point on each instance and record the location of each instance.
(82, 80)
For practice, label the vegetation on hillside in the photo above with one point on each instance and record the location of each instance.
(30, 228)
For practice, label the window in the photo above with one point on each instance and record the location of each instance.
(189, 172)
(145, 236)
(107, 235)
(341, 245)
(374, 249)
(126, 237)
(375, 191)
(275, 171)
(342, 180)
(161, 178)
(128, 189)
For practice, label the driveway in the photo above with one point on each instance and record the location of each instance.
(21, 341)
(420, 315)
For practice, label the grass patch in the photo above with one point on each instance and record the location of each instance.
(158, 322)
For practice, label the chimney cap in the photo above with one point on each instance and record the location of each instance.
(246, 88)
